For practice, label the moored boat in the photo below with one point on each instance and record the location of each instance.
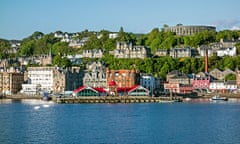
(46, 97)
(217, 97)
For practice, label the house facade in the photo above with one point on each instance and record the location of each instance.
(217, 86)
(183, 52)
(94, 53)
(221, 86)
(162, 52)
(202, 50)
(127, 50)
(51, 79)
(229, 43)
(95, 75)
(178, 88)
(201, 83)
(148, 82)
(227, 51)
(10, 82)
(123, 78)
(178, 77)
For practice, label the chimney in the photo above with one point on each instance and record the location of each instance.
(206, 60)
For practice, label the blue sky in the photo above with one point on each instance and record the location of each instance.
(20, 18)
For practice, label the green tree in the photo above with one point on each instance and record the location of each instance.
(121, 35)
(62, 48)
(26, 48)
(238, 48)
(62, 62)
(164, 70)
(151, 36)
(230, 77)
(36, 35)
(4, 47)
(228, 62)
(92, 43)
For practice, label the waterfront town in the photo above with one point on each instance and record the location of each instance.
(89, 75)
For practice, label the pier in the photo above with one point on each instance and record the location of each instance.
(122, 99)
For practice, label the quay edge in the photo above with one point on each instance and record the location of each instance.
(123, 99)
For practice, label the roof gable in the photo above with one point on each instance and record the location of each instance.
(216, 70)
(81, 88)
(137, 87)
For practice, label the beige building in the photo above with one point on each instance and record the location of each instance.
(95, 75)
(127, 50)
(220, 75)
(11, 82)
(238, 78)
(94, 53)
(183, 52)
(188, 30)
(229, 43)
(178, 77)
(162, 52)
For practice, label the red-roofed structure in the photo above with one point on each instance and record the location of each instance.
(136, 90)
(79, 89)
(101, 90)
(85, 91)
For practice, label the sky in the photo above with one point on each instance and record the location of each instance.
(20, 18)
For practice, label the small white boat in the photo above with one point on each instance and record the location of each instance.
(217, 97)
(45, 105)
(37, 107)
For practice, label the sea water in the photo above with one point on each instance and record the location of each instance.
(144, 123)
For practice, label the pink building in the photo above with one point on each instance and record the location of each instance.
(201, 83)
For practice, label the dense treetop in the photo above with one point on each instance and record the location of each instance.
(39, 43)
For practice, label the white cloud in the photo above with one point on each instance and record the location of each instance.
(235, 28)
(227, 24)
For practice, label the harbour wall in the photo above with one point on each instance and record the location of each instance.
(122, 99)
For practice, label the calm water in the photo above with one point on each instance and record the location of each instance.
(146, 123)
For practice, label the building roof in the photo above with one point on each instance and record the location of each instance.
(102, 90)
(137, 87)
(182, 76)
(79, 89)
(217, 81)
(82, 88)
(230, 82)
(174, 72)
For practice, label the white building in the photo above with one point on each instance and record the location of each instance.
(52, 79)
(202, 50)
(30, 89)
(113, 35)
(231, 85)
(77, 43)
(230, 51)
(39, 79)
(217, 85)
(220, 85)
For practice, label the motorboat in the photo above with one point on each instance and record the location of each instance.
(217, 97)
